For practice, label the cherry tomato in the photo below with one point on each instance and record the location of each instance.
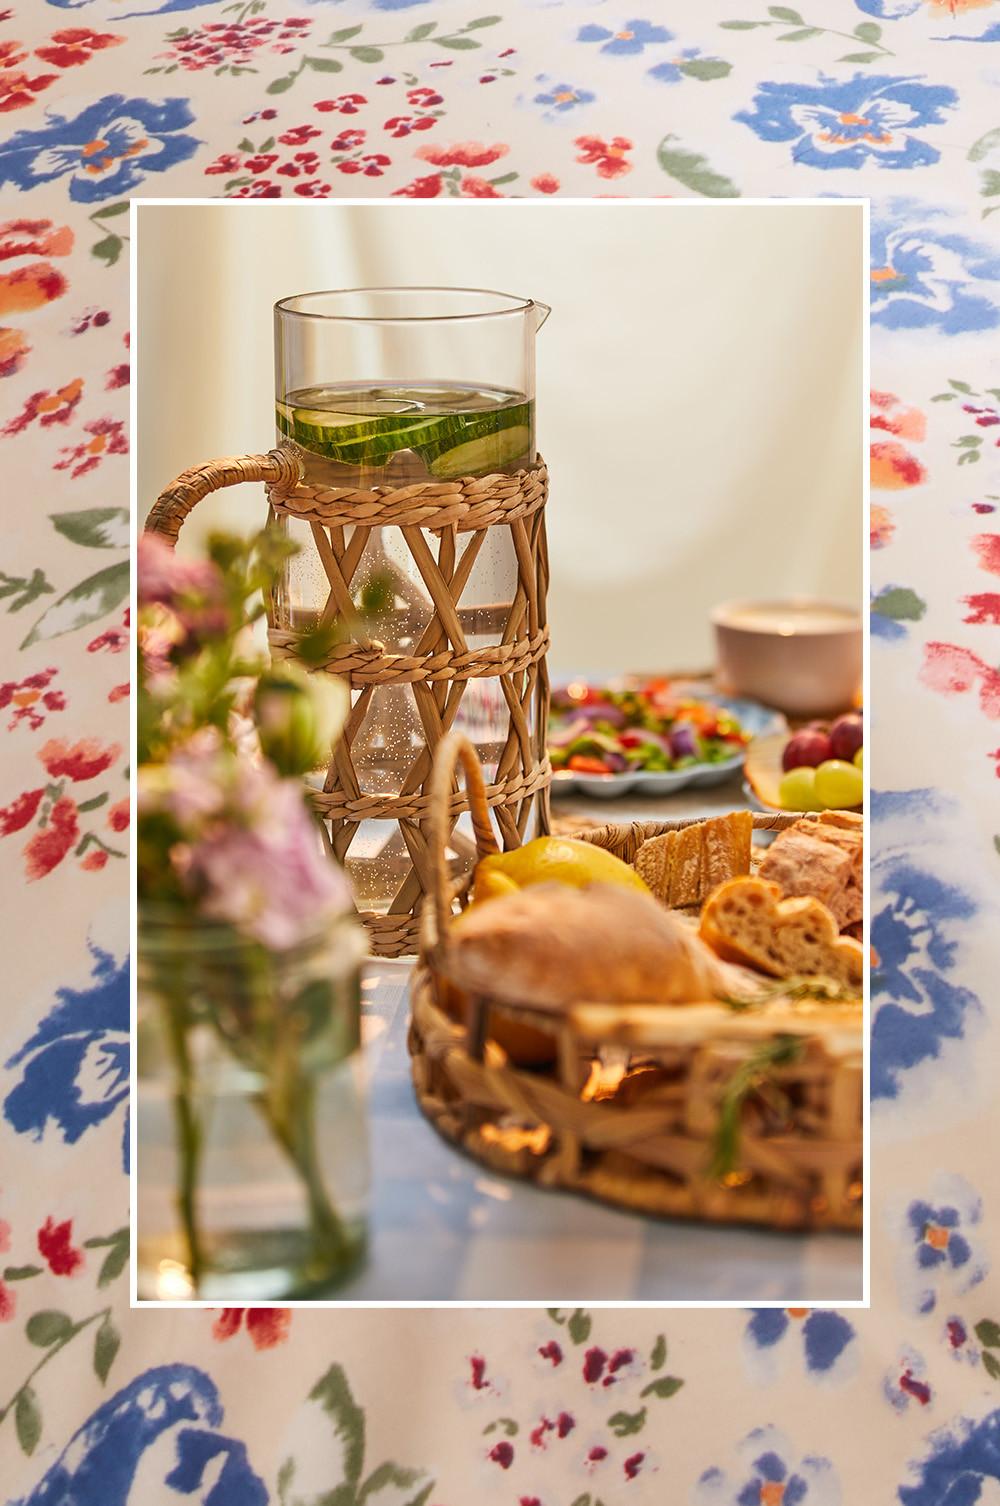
(582, 764)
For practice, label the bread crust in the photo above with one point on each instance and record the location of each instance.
(682, 867)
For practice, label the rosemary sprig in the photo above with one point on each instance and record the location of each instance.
(749, 1076)
(825, 989)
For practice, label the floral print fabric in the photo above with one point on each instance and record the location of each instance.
(891, 100)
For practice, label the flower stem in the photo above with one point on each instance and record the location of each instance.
(188, 1134)
(50, 1354)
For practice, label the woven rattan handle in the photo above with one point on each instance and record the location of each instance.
(452, 750)
(172, 506)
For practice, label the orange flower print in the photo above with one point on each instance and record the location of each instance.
(77, 761)
(893, 466)
(47, 408)
(47, 848)
(26, 237)
(17, 87)
(13, 349)
(608, 155)
(30, 287)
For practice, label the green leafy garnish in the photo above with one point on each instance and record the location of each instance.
(748, 1078)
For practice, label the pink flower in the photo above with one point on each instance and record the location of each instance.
(8, 1303)
(545, 183)
(192, 589)
(608, 155)
(479, 188)
(78, 761)
(273, 881)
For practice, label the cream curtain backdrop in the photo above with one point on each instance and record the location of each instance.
(699, 385)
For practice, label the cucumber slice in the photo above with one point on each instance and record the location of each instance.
(483, 455)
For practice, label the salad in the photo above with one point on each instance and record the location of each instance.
(652, 728)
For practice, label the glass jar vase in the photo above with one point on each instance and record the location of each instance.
(251, 1136)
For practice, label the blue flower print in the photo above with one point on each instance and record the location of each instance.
(632, 37)
(562, 97)
(826, 1340)
(959, 1462)
(924, 275)
(105, 151)
(769, 1472)
(672, 72)
(960, 14)
(73, 1070)
(853, 123)
(919, 918)
(173, 1409)
(938, 1248)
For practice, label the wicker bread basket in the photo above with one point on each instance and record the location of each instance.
(629, 1111)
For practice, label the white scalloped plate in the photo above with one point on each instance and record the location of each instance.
(758, 720)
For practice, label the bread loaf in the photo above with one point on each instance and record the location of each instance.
(747, 920)
(682, 867)
(823, 858)
(550, 946)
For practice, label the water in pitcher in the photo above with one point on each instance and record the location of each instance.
(395, 435)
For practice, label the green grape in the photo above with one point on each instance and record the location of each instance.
(839, 784)
(859, 759)
(797, 790)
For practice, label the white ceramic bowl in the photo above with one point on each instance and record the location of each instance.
(802, 655)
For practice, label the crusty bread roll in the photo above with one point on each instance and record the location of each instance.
(682, 867)
(550, 946)
(747, 920)
(824, 859)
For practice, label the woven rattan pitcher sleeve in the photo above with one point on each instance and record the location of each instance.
(168, 512)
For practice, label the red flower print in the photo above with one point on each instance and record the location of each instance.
(545, 183)
(89, 319)
(502, 1453)
(31, 699)
(889, 415)
(229, 162)
(260, 115)
(986, 547)
(348, 140)
(8, 1303)
(632, 1465)
(20, 813)
(424, 97)
(18, 88)
(76, 44)
(107, 438)
(552, 1352)
(313, 189)
(609, 156)
(260, 163)
(47, 848)
(55, 1248)
(373, 165)
(95, 860)
(345, 104)
(984, 607)
(420, 188)
(225, 45)
(953, 670)
(82, 760)
(118, 816)
(267, 1326)
(34, 238)
(262, 189)
(462, 154)
(118, 376)
(478, 188)
(299, 135)
(47, 407)
(402, 125)
(119, 692)
(4, 1236)
(113, 639)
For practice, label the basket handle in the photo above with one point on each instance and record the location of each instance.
(278, 467)
(454, 749)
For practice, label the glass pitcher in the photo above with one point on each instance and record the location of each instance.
(386, 387)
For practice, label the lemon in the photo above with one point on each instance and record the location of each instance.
(546, 860)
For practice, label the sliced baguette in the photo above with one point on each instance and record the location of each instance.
(747, 920)
(682, 867)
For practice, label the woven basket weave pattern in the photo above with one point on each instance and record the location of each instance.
(648, 1144)
(441, 665)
